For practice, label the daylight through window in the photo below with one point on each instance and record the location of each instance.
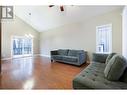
(104, 38)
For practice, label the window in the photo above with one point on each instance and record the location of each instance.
(104, 38)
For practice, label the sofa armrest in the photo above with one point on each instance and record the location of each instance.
(82, 57)
(52, 53)
(99, 57)
(55, 52)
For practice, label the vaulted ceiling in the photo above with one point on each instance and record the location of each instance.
(43, 18)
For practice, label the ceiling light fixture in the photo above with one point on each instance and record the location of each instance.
(61, 7)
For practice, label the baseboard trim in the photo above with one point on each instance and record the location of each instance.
(20, 57)
(6, 58)
(37, 55)
(45, 55)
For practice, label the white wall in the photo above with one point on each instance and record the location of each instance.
(124, 51)
(82, 35)
(17, 27)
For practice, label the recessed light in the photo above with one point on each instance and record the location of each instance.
(29, 13)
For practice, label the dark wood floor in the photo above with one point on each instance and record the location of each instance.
(37, 73)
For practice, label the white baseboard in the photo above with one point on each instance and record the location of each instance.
(20, 57)
(6, 58)
(45, 55)
(37, 55)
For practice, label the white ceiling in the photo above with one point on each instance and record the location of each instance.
(43, 18)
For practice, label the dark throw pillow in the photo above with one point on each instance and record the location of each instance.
(115, 67)
(109, 57)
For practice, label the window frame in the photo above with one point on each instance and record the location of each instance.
(110, 38)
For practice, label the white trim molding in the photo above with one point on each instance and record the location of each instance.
(6, 58)
(45, 55)
(21, 57)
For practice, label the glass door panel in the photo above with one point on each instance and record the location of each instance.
(27, 47)
(17, 46)
(22, 46)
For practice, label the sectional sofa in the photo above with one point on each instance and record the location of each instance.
(105, 72)
(75, 57)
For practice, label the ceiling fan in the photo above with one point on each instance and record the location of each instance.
(61, 7)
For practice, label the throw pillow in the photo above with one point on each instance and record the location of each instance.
(115, 67)
(109, 57)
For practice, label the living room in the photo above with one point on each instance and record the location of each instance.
(72, 28)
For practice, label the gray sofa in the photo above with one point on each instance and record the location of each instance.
(93, 77)
(75, 57)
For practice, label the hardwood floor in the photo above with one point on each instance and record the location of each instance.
(37, 73)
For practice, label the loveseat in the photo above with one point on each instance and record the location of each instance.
(95, 76)
(75, 57)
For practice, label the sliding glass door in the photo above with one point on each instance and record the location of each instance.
(22, 46)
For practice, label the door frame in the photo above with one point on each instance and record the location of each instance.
(18, 56)
(0, 41)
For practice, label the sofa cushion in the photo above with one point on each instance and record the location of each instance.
(109, 57)
(70, 58)
(74, 52)
(115, 67)
(63, 52)
(93, 77)
(57, 57)
(98, 57)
